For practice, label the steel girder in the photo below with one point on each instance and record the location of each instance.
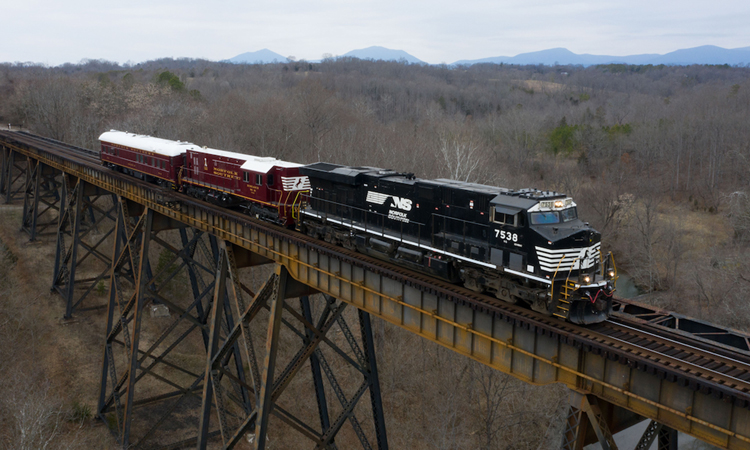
(666, 437)
(41, 197)
(584, 413)
(85, 223)
(271, 308)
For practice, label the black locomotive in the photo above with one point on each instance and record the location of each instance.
(520, 245)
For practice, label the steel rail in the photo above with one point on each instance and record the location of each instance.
(684, 354)
(723, 340)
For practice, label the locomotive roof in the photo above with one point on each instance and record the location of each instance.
(149, 143)
(338, 173)
(474, 187)
(508, 200)
(252, 163)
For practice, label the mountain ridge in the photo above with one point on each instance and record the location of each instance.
(705, 54)
(264, 56)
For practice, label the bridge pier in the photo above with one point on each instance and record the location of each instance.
(267, 387)
(42, 186)
(84, 211)
(12, 185)
(164, 349)
(153, 380)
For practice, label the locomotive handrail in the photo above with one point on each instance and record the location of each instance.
(298, 205)
(365, 224)
(554, 275)
(571, 270)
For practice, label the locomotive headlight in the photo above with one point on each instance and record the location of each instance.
(611, 274)
(586, 279)
(559, 204)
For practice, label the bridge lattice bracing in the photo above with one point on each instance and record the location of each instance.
(14, 169)
(85, 223)
(531, 349)
(41, 203)
(146, 388)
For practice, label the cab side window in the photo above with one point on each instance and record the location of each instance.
(505, 219)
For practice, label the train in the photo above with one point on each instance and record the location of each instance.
(523, 246)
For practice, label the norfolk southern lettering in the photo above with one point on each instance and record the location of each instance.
(520, 245)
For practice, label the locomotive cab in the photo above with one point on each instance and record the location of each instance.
(568, 254)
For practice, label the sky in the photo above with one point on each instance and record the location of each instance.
(436, 31)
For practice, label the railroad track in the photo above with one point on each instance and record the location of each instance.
(720, 371)
(90, 154)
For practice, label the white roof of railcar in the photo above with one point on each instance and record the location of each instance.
(167, 147)
(148, 143)
(252, 163)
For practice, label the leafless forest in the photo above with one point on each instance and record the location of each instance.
(657, 158)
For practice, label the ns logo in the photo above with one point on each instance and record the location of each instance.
(403, 204)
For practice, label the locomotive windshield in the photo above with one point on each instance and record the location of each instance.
(551, 217)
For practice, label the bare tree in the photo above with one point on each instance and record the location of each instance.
(463, 155)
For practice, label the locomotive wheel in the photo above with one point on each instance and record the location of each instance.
(504, 295)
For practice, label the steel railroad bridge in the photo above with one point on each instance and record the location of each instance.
(682, 374)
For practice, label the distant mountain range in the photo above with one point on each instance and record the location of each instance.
(375, 53)
(707, 54)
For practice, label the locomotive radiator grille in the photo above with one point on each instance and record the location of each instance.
(568, 258)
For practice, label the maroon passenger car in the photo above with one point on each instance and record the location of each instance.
(148, 158)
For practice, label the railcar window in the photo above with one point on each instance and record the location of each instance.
(245, 177)
(259, 179)
(269, 179)
(569, 214)
(543, 218)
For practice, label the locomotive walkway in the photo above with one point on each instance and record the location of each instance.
(642, 364)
